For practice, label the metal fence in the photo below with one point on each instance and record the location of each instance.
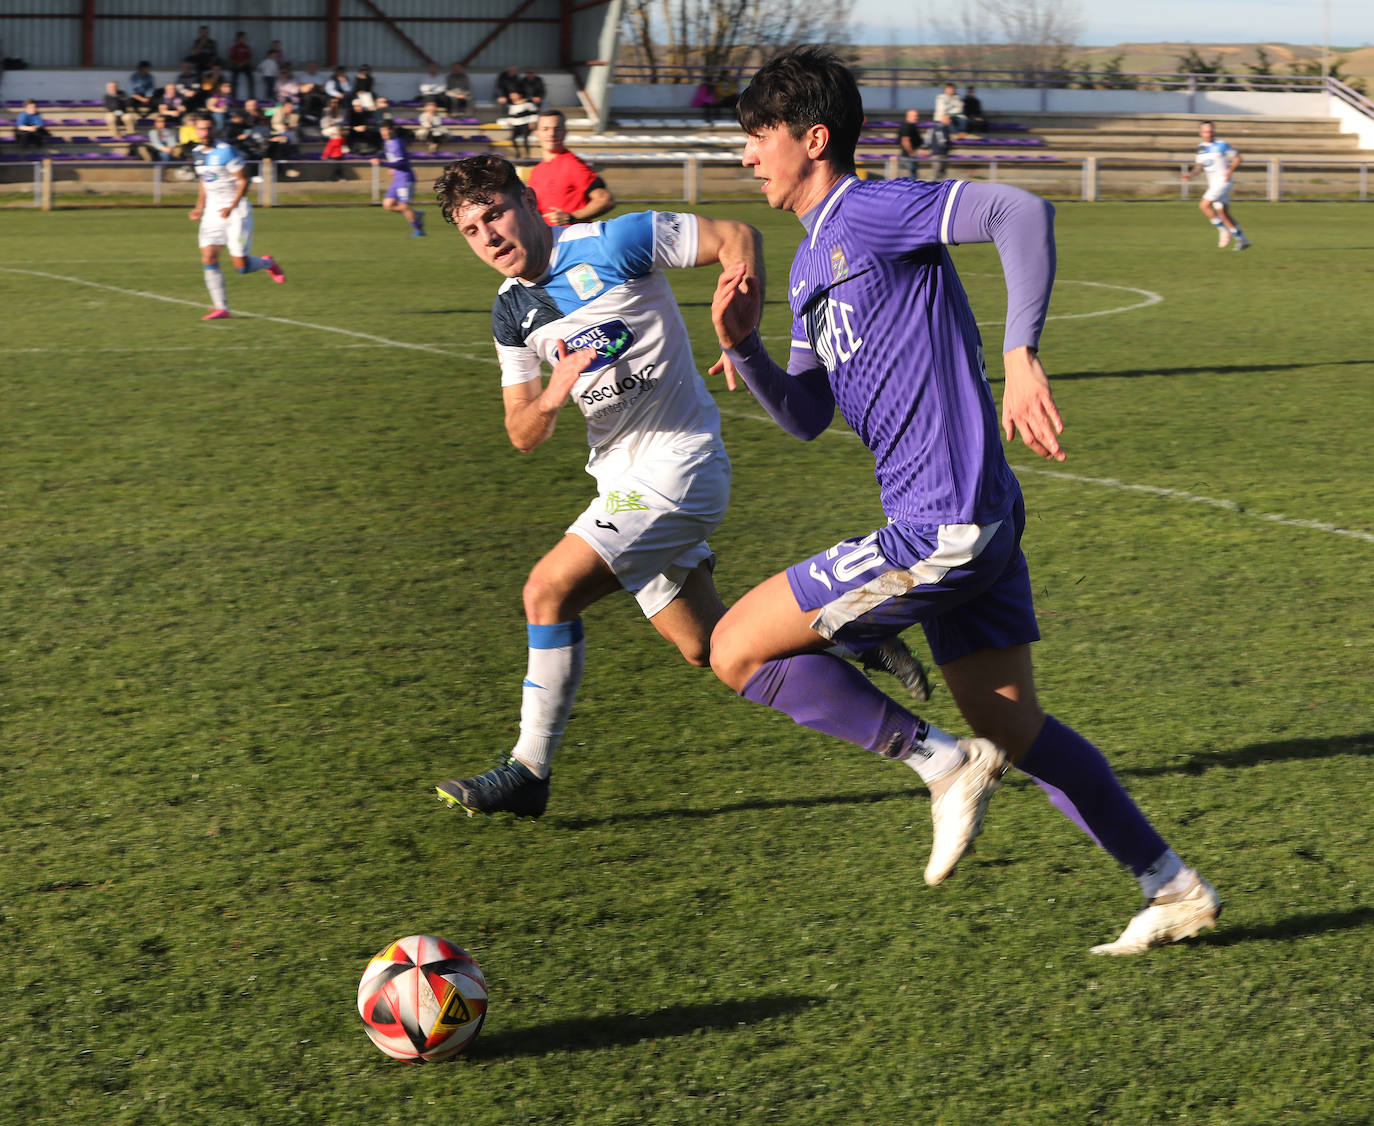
(683, 178)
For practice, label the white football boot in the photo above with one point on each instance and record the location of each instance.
(958, 812)
(1167, 919)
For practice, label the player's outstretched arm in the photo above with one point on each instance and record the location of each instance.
(732, 243)
(532, 408)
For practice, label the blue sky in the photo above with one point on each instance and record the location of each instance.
(1106, 22)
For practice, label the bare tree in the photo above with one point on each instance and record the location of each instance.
(724, 34)
(1018, 35)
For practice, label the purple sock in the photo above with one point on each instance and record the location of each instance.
(829, 695)
(1088, 793)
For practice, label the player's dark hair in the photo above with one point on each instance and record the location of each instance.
(803, 87)
(551, 112)
(475, 179)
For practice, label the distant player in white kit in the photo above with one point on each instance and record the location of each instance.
(1219, 161)
(224, 214)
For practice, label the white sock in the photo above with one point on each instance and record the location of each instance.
(557, 655)
(214, 282)
(1165, 876)
(1217, 223)
(935, 755)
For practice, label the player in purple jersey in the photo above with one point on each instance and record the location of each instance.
(883, 331)
(402, 188)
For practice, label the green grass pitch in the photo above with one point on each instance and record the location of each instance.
(260, 590)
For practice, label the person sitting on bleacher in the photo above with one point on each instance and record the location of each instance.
(269, 70)
(284, 140)
(204, 52)
(288, 86)
(973, 111)
(118, 116)
(218, 105)
(186, 86)
(313, 99)
(363, 87)
(210, 81)
(456, 89)
(161, 144)
(29, 128)
(431, 129)
(520, 116)
(143, 90)
(340, 86)
(532, 86)
(507, 82)
(362, 135)
(172, 105)
(431, 84)
(949, 104)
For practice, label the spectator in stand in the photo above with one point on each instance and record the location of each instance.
(283, 141)
(240, 58)
(726, 96)
(363, 85)
(186, 86)
(269, 70)
(218, 105)
(949, 104)
(30, 130)
(333, 127)
(520, 115)
(204, 52)
(938, 141)
(507, 82)
(383, 112)
(143, 90)
(313, 97)
(909, 137)
(161, 145)
(362, 136)
(533, 87)
(705, 99)
(566, 189)
(431, 83)
(973, 112)
(288, 86)
(172, 105)
(340, 86)
(210, 81)
(283, 60)
(456, 89)
(118, 116)
(431, 130)
(187, 140)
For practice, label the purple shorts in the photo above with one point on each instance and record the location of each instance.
(402, 189)
(966, 584)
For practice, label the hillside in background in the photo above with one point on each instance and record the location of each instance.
(1235, 58)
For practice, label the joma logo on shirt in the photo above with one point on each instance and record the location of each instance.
(611, 340)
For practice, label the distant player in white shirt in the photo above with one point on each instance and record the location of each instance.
(1218, 160)
(224, 214)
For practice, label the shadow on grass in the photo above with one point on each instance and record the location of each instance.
(1295, 926)
(595, 1033)
(1200, 369)
(1282, 750)
(811, 801)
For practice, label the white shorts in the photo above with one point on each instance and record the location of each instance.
(234, 233)
(650, 523)
(1220, 193)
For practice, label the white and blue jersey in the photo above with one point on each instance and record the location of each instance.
(217, 167)
(1215, 158)
(605, 289)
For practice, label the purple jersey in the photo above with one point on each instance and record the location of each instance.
(877, 302)
(394, 156)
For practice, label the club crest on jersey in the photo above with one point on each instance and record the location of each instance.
(839, 268)
(585, 281)
(611, 339)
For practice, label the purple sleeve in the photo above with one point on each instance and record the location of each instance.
(1022, 226)
(798, 399)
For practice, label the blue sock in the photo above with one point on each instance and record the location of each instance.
(1067, 765)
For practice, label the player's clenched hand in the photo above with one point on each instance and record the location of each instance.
(1028, 406)
(566, 371)
(735, 307)
(226, 213)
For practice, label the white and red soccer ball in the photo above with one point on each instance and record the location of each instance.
(422, 999)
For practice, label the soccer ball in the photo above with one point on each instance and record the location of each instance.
(422, 999)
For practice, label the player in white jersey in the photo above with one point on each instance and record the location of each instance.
(1218, 161)
(591, 302)
(224, 214)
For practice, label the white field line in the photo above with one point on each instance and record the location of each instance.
(1124, 486)
(1102, 482)
(382, 340)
